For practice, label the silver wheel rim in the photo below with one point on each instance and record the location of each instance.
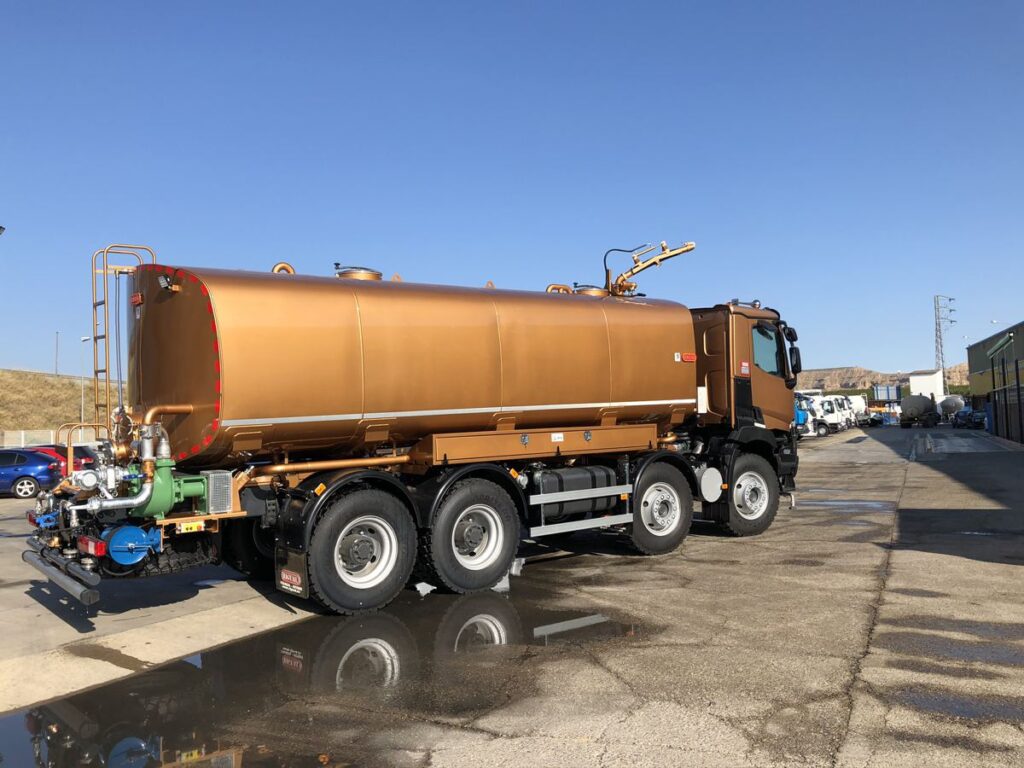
(23, 488)
(365, 552)
(477, 537)
(660, 509)
(374, 663)
(750, 495)
(480, 631)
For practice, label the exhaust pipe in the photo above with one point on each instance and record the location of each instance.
(84, 594)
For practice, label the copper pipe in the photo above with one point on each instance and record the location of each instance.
(558, 288)
(71, 427)
(149, 462)
(320, 466)
(159, 410)
(283, 266)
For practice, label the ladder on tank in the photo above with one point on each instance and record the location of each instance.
(102, 269)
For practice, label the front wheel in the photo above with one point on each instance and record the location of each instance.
(473, 539)
(821, 430)
(753, 496)
(25, 487)
(361, 552)
(662, 510)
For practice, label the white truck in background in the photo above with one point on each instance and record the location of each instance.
(829, 417)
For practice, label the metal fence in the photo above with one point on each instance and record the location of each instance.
(21, 438)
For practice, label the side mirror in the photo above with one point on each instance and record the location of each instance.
(795, 365)
(790, 333)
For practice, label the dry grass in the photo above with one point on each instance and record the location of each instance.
(30, 400)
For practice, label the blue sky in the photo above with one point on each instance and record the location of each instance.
(842, 162)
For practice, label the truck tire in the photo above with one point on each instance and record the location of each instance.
(249, 549)
(662, 510)
(473, 539)
(753, 496)
(821, 430)
(361, 552)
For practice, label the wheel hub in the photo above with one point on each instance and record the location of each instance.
(357, 551)
(470, 533)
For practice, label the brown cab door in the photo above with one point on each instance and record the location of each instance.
(768, 375)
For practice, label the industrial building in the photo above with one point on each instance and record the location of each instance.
(994, 369)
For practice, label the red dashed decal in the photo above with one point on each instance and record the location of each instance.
(216, 365)
(204, 289)
(195, 449)
(207, 440)
(216, 346)
(182, 455)
(216, 422)
(213, 326)
(209, 308)
(216, 407)
(193, 279)
(218, 387)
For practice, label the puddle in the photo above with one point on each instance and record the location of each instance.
(326, 691)
(850, 505)
(939, 701)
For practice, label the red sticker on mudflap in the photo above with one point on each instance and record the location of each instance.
(290, 581)
(744, 368)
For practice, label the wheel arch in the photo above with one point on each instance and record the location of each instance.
(431, 492)
(305, 506)
(673, 460)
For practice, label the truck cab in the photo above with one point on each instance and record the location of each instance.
(747, 375)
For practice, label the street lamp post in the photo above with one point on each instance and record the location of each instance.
(81, 417)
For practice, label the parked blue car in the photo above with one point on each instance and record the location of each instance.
(24, 473)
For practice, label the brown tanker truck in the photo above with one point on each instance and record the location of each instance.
(340, 433)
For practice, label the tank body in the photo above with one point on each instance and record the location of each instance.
(916, 406)
(952, 404)
(280, 362)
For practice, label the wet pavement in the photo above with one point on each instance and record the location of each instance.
(879, 623)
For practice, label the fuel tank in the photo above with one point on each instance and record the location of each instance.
(281, 362)
(916, 406)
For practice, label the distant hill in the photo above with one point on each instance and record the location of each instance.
(862, 378)
(30, 400)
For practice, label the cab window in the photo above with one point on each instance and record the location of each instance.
(7, 458)
(766, 349)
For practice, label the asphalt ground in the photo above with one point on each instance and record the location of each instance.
(879, 623)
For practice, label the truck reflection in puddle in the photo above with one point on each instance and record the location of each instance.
(439, 656)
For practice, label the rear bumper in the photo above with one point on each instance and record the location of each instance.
(66, 574)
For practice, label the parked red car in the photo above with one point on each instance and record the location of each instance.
(83, 456)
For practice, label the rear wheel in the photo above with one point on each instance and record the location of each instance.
(25, 487)
(753, 497)
(361, 552)
(473, 539)
(662, 510)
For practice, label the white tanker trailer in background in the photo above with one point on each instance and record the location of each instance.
(918, 409)
(951, 405)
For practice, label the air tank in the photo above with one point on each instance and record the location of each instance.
(277, 362)
(916, 406)
(951, 404)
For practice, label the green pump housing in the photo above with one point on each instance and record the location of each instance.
(169, 490)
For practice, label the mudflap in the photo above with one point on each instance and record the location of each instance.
(290, 571)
